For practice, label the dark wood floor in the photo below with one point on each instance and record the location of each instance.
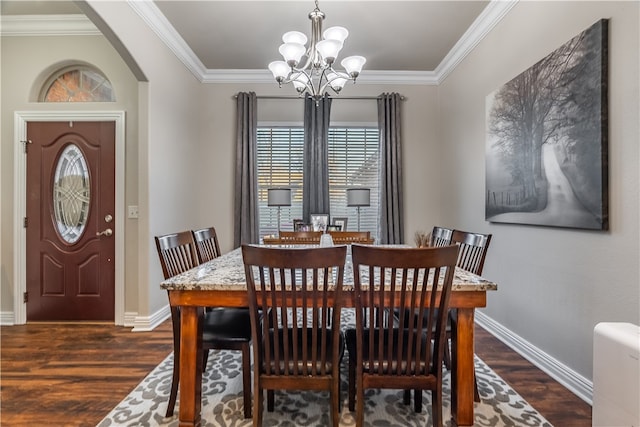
(558, 405)
(73, 375)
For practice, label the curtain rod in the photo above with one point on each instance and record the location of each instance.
(402, 97)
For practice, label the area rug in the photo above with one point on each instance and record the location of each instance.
(222, 401)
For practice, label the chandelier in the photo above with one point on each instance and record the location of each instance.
(315, 74)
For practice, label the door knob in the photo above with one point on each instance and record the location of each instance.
(107, 232)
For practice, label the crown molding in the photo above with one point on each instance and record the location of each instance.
(370, 77)
(159, 24)
(484, 23)
(47, 25)
(375, 77)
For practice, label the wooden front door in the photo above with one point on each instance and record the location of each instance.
(70, 221)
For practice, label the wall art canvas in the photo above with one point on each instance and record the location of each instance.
(546, 146)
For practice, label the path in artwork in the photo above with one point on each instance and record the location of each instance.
(563, 209)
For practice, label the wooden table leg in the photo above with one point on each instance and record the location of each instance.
(190, 366)
(462, 371)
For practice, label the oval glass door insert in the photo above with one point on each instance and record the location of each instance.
(71, 194)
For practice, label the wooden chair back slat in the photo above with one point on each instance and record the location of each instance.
(441, 236)
(177, 253)
(207, 245)
(473, 250)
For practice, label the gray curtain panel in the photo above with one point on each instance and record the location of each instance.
(315, 184)
(391, 229)
(246, 219)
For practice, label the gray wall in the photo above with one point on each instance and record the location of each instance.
(555, 284)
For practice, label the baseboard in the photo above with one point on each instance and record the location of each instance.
(576, 383)
(7, 318)
(149, 323)
(131, 319)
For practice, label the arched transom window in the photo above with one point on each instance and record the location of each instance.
(78, 84)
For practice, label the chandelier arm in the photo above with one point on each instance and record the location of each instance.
(322, 86)
(336, 75)
(308, 83)
(339, 74)
(308, 63)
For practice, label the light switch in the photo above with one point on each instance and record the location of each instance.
(133, 212)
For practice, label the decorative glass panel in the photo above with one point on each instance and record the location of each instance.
(71, 194)
(79, 85)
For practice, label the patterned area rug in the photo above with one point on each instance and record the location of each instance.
(222, 401)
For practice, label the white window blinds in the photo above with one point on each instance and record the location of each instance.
(353, 161)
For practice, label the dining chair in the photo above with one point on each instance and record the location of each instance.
(300, 237)
(383, 354)
(296, 345)
(222, 328)
(207, 245)
(473, 250)
(471, 257)
(208, 248)
(440, 236)
(348, 237)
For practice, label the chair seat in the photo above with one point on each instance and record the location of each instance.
(350, 336)
(226, 325)
(288, 354)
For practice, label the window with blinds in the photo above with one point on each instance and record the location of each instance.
(353, 162)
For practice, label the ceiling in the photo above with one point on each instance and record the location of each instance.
(393, 35)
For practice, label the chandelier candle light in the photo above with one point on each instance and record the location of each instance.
(316, 73)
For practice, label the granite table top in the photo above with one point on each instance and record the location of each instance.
(226, 273)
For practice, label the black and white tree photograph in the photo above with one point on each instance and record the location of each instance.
(546, 147)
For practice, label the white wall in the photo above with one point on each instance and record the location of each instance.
(555, 284)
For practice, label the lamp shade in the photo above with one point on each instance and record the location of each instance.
(353, 64)
(280, 69)
(336, 81)
(358, 196)
(279, 197)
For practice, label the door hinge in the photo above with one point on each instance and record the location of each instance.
(25, 297)
(26, 222)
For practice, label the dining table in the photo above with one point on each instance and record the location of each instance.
(221, 282)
